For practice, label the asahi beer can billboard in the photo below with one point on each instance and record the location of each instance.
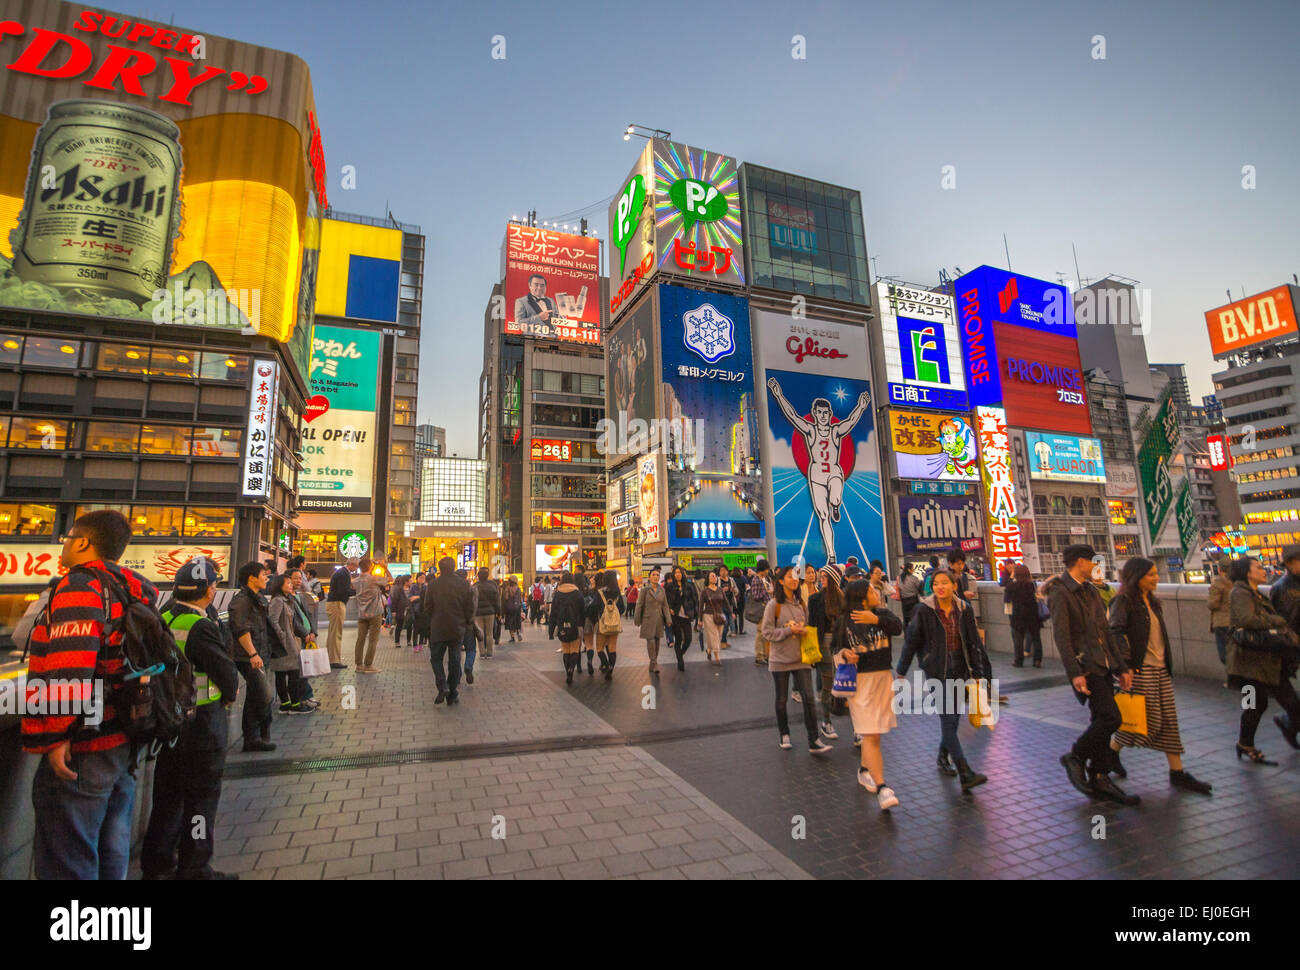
(156, 174)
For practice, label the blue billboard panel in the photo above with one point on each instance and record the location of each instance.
(707, 395)
(1065, 458)
(988, 295)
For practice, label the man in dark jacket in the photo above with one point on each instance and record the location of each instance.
(1285, 593)
(449, 601)
(83, 792)
(187, 778)
(336, 608)
(487, 612)
(253, 647)
(1091, 658)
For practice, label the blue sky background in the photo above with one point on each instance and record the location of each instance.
(1136, 158)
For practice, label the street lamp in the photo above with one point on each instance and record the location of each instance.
(641, 133)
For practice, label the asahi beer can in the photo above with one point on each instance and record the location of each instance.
(102, 207)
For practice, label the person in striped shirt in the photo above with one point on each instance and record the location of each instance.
(84, 787)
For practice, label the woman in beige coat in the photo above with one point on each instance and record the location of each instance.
(652, 616)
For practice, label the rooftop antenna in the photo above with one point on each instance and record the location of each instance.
(1008, 250)
(1077, 275)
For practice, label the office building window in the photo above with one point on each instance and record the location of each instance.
(51, 352)
(403, 411)
(112, 436)
(123, 359)
(11, 348)
(408, 368)
(209, 522)
(223, 367)
(165, 362)
(27, 520)
(1059, 505)
(215, 442)
(39, 433)
(164, 440)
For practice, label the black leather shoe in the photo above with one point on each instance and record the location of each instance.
(1103, 787)
(442, 696)
(1118, 770)
(469, 676)
(338, 666)
(970, 778)
(1185, 781)
(1073, 765)
(257, 746)
(453, 698)
(945, 764)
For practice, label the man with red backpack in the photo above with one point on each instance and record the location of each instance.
(84, 788)
(537, 597)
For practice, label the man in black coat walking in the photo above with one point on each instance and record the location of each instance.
(449, 603)
(1092, 659)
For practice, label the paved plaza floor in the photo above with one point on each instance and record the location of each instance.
(680, 776)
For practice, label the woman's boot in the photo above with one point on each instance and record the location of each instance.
(612, 657)
(969, 776)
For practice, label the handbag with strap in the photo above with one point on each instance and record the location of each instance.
(1133, 710)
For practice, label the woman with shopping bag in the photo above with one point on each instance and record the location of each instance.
(784, 623)
(1138, 624)
(281, 609)
(946, 642)
(861, 638)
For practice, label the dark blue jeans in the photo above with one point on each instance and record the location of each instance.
(470, 643)
(1221, 643)
(83, 827)
(449, 679)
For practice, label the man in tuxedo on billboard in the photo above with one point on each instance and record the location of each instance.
(536, 307)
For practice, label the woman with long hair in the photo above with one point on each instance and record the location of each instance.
(810, 585)
(1263, 660)
(824, 611)
(1026, 624)
(683, 603)
(782, 626)
(566, 621)
(861, 637)
(398, 601)
(607, 642)
(512, 602)
(946, 642)
(713, 617)
(1138, 624)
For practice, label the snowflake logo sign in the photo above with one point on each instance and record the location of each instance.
(709, 332)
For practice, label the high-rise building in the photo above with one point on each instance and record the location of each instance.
(542, 395)
(1148, 470)
(359, 442)
(430, 442)
(1260, 397)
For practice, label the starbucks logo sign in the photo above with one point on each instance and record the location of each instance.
(353, 545)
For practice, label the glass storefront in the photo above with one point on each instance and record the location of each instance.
(804, 236)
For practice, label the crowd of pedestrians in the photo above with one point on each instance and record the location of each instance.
(825, 636)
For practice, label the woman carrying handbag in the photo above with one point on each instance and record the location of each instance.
(713, 609)
(651, 616)
(1261, 656)
(1138, 624)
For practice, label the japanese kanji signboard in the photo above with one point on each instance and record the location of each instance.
(999, 489)
(259, 438)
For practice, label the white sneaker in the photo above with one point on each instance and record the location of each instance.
(828, 731)
(785, 742)
(796, 696)
(866, 781)
(887, 799)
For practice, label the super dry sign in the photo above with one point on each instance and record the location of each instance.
(1254, 320)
